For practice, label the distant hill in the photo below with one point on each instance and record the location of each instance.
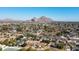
(42, 19)
(8, 20)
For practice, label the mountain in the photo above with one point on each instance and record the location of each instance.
(8, 20)
(42, 19)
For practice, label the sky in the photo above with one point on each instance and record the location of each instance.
(25, 13)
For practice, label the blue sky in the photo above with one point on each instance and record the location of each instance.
(56, 13)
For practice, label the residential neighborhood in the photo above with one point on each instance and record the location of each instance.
(39, 34)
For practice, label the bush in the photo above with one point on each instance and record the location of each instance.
(0, 49)
(11, 42)
(60, 45)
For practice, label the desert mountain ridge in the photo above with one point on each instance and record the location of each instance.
(41, 19)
